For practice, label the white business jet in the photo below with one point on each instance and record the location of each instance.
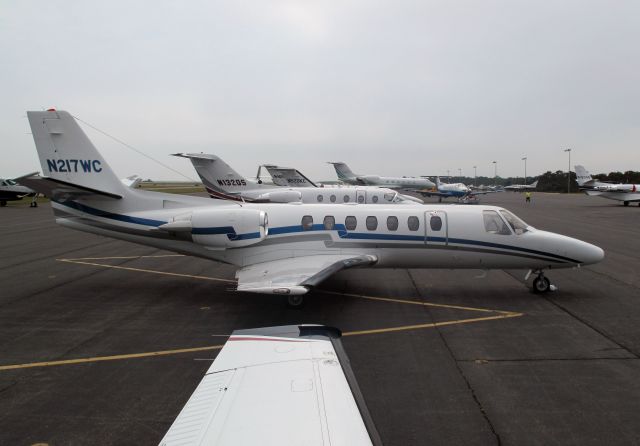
(522, 187)
(347, 176)
(285, 249)
(626, 193)
(223, 182)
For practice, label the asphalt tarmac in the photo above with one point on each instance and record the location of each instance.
(102, 341)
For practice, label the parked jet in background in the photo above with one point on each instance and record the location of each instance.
(462, 192)
(285, 249)
(10, 190)
(626, 193)
(522, 187)
(347, 176)
(286, 176)
(222, 182)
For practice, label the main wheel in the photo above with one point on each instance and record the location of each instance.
(626, 203)
(541, 285)
(295, 300)
(3, 203)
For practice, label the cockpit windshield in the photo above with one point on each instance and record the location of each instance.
(518, 226)
(391, 196)
(10, 182)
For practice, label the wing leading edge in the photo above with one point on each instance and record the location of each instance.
(275, 386)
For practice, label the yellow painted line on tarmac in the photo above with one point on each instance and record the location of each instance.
(417, 302)
(109, 358)
(218, 347)
(122, 257)
(499, 314)
(430, 325)
(151, 271)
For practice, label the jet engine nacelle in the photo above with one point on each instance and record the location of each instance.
(285, 196)
(217, 228)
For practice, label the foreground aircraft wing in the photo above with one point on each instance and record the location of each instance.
(296, 275)
(277, 386)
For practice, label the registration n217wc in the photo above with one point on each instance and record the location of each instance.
(288, 248)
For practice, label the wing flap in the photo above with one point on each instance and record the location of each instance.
(295, 275)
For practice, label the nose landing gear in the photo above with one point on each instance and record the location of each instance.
(541, 284)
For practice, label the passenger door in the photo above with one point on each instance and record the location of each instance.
(436, 227)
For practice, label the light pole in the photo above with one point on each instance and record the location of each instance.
(495, 173)
(475, 176)
(460, 174)
(569, 171)
(525, 169)
(448, 181)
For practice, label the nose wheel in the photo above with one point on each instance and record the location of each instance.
(542, 285)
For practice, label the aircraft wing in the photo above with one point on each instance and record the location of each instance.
(296, 275)
(276, 386)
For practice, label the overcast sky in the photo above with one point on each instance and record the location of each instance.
(391, 88)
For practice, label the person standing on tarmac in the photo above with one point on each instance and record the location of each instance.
(527, 197)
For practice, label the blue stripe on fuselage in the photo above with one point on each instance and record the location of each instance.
(282, 230)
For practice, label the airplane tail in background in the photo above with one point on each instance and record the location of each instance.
(218, 177)
(343, 171)
(534, 184)
(438, 183)
(582, 176)
(68, 158)
(287, 176)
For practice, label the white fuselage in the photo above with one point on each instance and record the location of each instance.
(390, 182)
(436, 236)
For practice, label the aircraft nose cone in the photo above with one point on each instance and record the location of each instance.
(591, 254)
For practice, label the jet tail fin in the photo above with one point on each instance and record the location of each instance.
(582, 175)
(534, 184)
(220, 179)
(343, 171)
(68, 158)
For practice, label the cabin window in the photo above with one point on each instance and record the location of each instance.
(329, 222)
(307, 222)
(392, 223)
(413, 223)
(372, 223)
(346, 198)
(350, 223)
(518, 226)
(360, 199)
(493, 224)
(374, 198)
(320, 198)
(435, 222)
(332, 198)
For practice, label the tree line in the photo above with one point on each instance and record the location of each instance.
(550, 181)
